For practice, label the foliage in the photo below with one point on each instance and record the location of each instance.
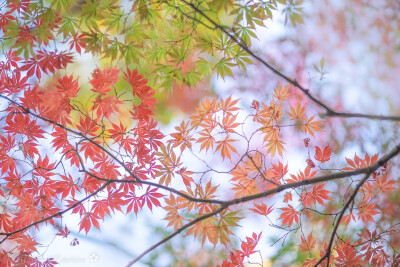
(93, 149)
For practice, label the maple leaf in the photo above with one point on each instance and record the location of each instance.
(27, 243)
(187, 180)
(275, 146)
(21, 124)
(289, 215)
(348, 218)
(309, 263)
(206, 193)
(359, 163)
(103, 80)
(205, 229)
(302, 176)
(78, 208)
(366, 211)
(250, 244)
(5, 222)
(43, 168)
(78, 41)
(225, 147)
(311, 126)
(106, 106)
(134, 79)
(151, 197)
(323, 156)
(206, 140)
(144, 110)
(134, 202)
(32, 67)
(182, 138)
(67, 85)
(88, 220)
(88, 126)
(229, 123)
(50, 262)
(384, 184)
(6, 260)
(228, 106)
(281, 93)
(318, 194)
(64, 233)
(347, 255)
(309, 244)
(100, 208)
(287, 197)
(262, 209)
(278, 171)
(172, 206)
(297, 113)
(7, 164)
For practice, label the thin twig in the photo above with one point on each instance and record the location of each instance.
(329, 111)
(198, 219)
(350, 200)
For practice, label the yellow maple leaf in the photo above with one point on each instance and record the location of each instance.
(281, 93)
(275, 146)
(311, 125)
(297, 113)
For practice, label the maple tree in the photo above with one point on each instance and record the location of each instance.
(69, 147)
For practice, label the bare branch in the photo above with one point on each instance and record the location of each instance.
(361, 116)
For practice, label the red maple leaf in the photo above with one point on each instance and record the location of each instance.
(151, 197)
(289, 215)
(88, 220)
(324, 155)
(64, 233)
(102, 80)
(78, 41)
(262, 209)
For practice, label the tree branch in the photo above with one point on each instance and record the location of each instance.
(329, 111)
(137, 179)
(368, 171)
(353, 195)
(198, 219)
(172, 190)
(361, 116)
(7, 235)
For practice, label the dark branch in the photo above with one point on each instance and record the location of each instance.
(329, 111)
(198, 219)
(351, 199)
(367, 171)
(58, 214)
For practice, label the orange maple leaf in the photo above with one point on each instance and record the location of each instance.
(297, 113)
(310, 125)
(226, 147)
(275, 146)
(289, 215)
(281, 93)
